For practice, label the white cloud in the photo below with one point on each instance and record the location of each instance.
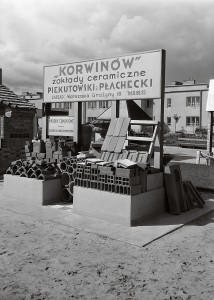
(35, 33)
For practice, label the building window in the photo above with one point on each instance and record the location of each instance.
(90, 119)
(192, 121)
(168, 102)
(193, 101)
(103, 104)
(168, 120)
(66, 105)
(92, 104)
(71, 105)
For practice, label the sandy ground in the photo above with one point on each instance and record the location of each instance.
(40, 260)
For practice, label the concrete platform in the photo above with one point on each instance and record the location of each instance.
(141, 235)
(145, 233)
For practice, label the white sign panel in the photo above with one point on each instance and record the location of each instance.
(136, 76)
(61, 126)
(210, 99)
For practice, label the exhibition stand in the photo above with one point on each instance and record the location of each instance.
(123, 184)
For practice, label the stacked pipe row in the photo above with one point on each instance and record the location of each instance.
(40, 170)
(68, 168)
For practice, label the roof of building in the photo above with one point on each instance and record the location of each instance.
(9, 98)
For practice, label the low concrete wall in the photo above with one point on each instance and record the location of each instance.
(118, 208)
(32, 190)
(200, 175)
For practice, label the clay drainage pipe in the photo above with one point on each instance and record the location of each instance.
(33, 175)
(30, 172)
(63, 166)
(71, 187)
(9, 171)
(38, 172)
(66, 178)
(65, 195)
(24, 174)
(70, 170)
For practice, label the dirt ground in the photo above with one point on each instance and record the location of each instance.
(40, 260)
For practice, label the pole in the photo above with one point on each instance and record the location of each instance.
(158, 148)
(211, 134)
(115, 109)
(77, 124)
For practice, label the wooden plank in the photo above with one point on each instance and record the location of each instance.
(106, 143)
(139, 138)
(125, 126)
(177, 178)
(111, 127)
(120, 144)
(196, 192)
(113, 143)
(155, 132)
(172, 197)
(189, 198)
(118, 127)
(143, 122)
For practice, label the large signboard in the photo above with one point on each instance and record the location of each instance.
(61, 126)
(136, 76)
(210, 99)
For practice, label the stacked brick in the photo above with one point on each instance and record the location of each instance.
(17, 129)
(37, 169)
(109, 179)
(49, 151)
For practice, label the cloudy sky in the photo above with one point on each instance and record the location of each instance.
(34, 33)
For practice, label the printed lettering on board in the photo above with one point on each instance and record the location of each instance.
(61, 126)
(136, 76)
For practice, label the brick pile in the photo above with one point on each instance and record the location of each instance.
(49, 151)
(111, 179)
(17, 129)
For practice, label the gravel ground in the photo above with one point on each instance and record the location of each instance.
(39, 260)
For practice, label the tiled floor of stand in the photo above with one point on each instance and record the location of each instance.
(140, 235)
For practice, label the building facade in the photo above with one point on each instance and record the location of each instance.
(184, 106)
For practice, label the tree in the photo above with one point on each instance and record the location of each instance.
(176, 118)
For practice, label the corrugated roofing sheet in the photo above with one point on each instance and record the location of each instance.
(9, 98)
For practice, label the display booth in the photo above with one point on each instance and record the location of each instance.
(118, 185)
(123, 182)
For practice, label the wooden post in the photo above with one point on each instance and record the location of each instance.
(77, 124)
(84, 112)
(158, 148)
(115, 109)
(46, 108)
(210, 134)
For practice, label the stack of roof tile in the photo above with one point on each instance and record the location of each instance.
(9, 98)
